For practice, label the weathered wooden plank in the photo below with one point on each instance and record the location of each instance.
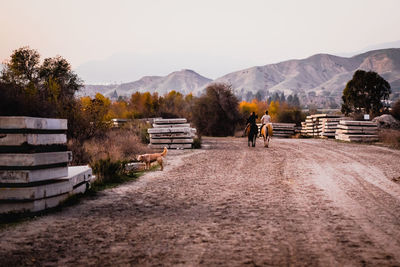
(32, 139)
(19, 122)
(29, 176)
(36, 159)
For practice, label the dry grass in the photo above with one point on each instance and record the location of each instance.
(118, 144)
(390, 138)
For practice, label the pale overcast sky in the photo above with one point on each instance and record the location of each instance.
(212, 37)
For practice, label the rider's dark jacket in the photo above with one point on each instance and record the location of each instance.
(252, 119)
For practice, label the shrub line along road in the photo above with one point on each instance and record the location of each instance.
(299, 202)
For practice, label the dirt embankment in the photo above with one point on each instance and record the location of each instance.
(299, 202)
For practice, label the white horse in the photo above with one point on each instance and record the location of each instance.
(266, 132)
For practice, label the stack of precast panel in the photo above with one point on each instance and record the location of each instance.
(283, 129)
(357, 131)
(34, 172)
(330, 125)
(171, 133)
(316, 124)
(310, 126)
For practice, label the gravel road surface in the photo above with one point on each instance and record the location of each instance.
(301, 202)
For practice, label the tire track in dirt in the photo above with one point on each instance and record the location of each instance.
(231, 205)
(364, 201)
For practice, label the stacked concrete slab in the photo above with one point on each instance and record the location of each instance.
(171, 133)
(357, 131)
(330, 125)
(311, 129)
(319, 125)
(284, 130)
(303, 128)
(34, 172)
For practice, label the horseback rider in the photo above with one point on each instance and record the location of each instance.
(252, 118)
(251, 121)
(265, 119)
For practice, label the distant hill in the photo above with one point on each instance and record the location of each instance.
(184, 81)
(318, 80)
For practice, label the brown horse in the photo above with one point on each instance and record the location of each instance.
(266, 132)
(251, 131)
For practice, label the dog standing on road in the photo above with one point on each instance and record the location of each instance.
(149, 158)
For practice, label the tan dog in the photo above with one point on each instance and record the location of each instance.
(149, 158)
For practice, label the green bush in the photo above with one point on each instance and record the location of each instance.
(108, 171)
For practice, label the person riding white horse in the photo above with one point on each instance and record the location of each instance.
(265, 119)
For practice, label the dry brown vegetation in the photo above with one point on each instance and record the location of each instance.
(390, 138)
(119, 144)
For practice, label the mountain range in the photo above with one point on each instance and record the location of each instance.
(318, 80)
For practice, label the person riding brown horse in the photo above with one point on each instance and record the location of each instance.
(252, 129)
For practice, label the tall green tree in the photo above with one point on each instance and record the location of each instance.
(216, 112)
(364, 93)
(22, 68)
(37, 89)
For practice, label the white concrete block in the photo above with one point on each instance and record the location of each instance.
(14, 122)
(172, 135)
(172, 141)
(32, 139)
(171, 125)
(40, 204)
(29, 176)
(36, 159)
(58, 187)
(170, 130)
(76, 176)
(167, 121)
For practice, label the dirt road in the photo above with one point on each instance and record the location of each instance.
(299, 202)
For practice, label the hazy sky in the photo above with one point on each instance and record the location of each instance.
(212, 37)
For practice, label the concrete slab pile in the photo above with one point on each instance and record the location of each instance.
(357, 131)
(171, 133)
(34, 172)
(320, 125)
(284, 130)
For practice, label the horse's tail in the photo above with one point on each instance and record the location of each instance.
(270, 129)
